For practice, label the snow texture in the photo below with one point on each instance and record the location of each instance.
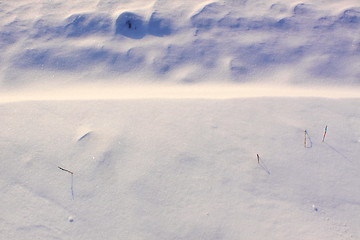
(180, 42)
(180, 169)
(180, 119)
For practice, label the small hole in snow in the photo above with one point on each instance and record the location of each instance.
(128, 23)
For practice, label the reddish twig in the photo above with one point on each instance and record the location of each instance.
(324, 134)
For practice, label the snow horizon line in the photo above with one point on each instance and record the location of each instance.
(208, 91)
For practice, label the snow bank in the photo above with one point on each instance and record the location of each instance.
(180, 42)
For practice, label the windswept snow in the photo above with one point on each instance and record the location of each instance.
(180, 42)
(180, 169)
(180, 119)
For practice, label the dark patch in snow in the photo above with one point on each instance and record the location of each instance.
(130, 25)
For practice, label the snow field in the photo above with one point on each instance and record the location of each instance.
(180, 169)
(159, 108)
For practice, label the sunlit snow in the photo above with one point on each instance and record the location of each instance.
(178, 119)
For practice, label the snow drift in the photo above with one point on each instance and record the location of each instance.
(182, 42)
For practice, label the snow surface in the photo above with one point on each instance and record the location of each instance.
(181, 169)
(295, 42)
(138, 119)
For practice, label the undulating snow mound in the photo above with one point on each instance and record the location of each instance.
(180, 41)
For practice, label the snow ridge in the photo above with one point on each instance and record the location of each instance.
(223, 42)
